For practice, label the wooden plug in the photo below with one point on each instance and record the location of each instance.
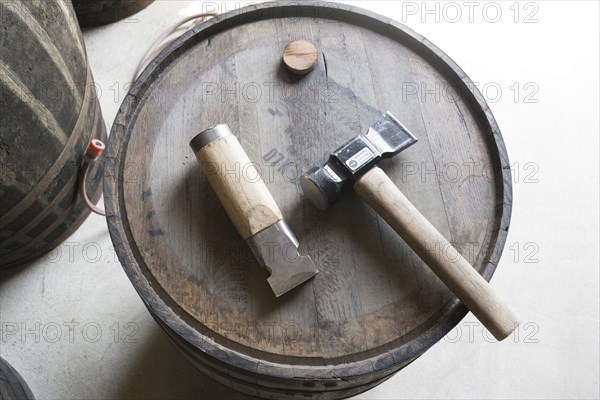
(300, 57)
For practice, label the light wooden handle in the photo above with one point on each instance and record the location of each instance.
(238, 185)
(465, 282)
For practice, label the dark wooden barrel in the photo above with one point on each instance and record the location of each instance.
(374, 307)
(102, 12)
(12, 385)
(50, 112)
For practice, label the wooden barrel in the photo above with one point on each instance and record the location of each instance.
(12, 385)
(50, 112)
(374, 307)
(102, 12)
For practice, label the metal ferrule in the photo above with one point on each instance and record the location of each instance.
(89, 159)
(209, 135)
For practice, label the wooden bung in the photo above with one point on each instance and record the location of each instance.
(300, 57)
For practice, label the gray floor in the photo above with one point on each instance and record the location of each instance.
(539, 70)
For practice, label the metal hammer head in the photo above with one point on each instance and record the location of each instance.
(324, 185)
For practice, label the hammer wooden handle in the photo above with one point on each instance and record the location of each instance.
(378, 190)
(239, 186)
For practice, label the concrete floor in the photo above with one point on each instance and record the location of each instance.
(110, 348)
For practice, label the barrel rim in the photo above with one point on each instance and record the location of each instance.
(452, 312)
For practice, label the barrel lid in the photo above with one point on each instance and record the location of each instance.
(374, 306)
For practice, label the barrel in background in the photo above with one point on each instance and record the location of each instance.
(102, 12)
(12, 385)
(50, 112)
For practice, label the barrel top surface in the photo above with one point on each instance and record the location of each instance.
(374, 303)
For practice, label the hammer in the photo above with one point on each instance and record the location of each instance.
(353, 165)
(251, 208)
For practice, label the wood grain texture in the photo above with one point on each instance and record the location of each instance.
(378, 190)
(12, 385)
(374, 307)
(102, 12)
(50, 113)
(239, 186)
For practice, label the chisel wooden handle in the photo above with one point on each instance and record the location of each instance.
(251, 208)
(377, 189)
(236, 181)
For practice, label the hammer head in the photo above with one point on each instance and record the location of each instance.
(324, 185)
